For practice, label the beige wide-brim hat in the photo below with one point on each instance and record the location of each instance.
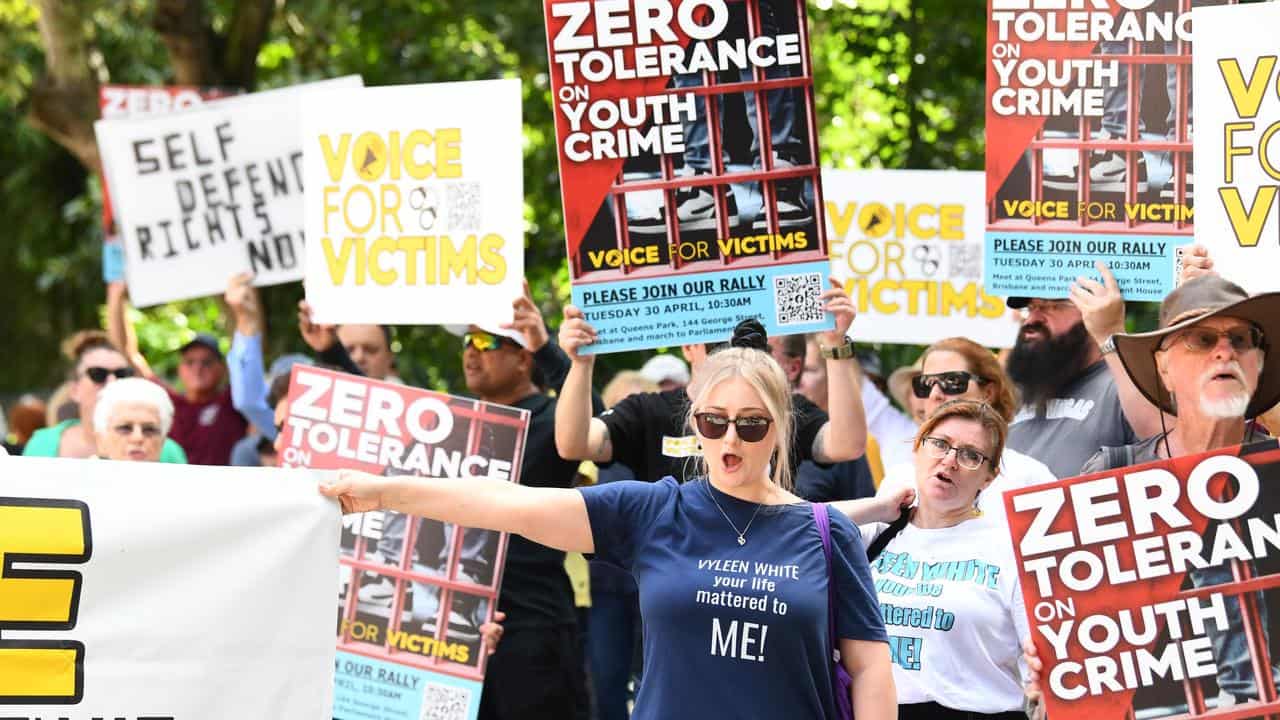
(1195, 300)
(900, 383)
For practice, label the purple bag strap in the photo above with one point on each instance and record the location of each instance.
(841, 682)
(824, 529)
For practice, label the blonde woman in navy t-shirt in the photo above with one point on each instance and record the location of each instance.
(731, 569)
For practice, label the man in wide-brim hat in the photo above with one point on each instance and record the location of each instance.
(1208, 365)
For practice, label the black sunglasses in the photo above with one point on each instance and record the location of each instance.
(99, 375)
(751, 428)
(951, 383)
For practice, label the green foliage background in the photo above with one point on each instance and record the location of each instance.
(899, 85)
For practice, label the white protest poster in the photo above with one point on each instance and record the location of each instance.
(202, 194)
(908, 244)
(415, 207)
(1237, 141)
(167, 592)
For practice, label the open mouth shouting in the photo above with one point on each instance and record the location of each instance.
(730, 461)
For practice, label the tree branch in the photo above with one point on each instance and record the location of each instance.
(248, 28)
(64, 102)
(181, 25)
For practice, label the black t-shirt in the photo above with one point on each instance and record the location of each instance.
(842, 481)
(535, 589)
(649, 434)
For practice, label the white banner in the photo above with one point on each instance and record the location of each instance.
(206, 193)
(144, 590)
(907, 244)
(1237, 141)
(416, 207)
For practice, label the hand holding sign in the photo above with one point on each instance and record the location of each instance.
(528, 321)
(318, 337)
(358, 492)
(1195, 262)
(837, 302)
(1100, 304)
(575, 332)
(242, 299)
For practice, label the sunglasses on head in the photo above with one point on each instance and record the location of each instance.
(482, 341)
(951, 383)
(1205, 339)
(99, 375)
(750, 428)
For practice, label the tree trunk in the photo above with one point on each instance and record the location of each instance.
(64, 102)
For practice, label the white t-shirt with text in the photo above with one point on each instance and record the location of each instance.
(952, 606)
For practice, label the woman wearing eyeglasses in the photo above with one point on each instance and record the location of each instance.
(131, 419)
(96, 363)
(960, 369)
(947, 581)
(731, 568)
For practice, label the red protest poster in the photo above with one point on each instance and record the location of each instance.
(413, 592)
(688, 166)
(1089, 135)
(1151, 590)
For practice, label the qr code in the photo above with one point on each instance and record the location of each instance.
(796, 298)
(463, 203)
(441, 702)
(965, 261)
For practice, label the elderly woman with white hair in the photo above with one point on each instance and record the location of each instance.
(131, 420)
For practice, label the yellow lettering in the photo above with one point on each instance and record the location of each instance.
(377, 249)
(455, 261)
(337, 262)
(841, 221)
(417, 170)
(495, 269)
(449, 152)
(1248, 225)
(1247, 97)
(951, 222)
(334, 159)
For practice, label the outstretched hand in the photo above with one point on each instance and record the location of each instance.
(358, 492)
(575, 333)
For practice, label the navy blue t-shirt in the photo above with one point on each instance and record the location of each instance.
(732, 631)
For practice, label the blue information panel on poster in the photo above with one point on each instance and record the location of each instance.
(704, 307)
(1044, 265)
(367, 688)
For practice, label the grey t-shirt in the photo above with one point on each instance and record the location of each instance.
(1068, 429)
(1146, 451)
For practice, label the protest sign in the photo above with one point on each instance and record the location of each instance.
(417, 208)
(907, 245)
(1088, 144)
(120, 101)
(692, 197)
(145, 590)
(414, 591)
(206, 193)
(1237, 108)
(1133, 580)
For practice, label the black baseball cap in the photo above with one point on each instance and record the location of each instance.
(1018, 303)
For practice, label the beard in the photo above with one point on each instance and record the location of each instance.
(1041, 367)
(1226, 408)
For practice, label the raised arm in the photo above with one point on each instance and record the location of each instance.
(555, 517)
(844, 437)
(579, 436)
(121, 331)
(244, 362)
(1102, 309)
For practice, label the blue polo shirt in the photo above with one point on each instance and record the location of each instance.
(732, 631)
